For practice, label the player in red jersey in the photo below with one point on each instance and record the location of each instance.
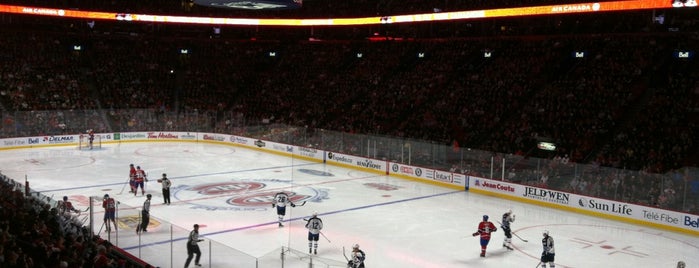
(132, 178)
(138, 182)
(109, 206)
(484, 230)
(66, 207)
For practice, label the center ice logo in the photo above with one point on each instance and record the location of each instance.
(244, 195)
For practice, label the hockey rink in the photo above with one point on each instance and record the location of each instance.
(398, 223)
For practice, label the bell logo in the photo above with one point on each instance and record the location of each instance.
(579, 54)
(688, 221)
(683, 54)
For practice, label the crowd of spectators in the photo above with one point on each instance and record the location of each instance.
(33, 233)
(498, 94)
(621, 102)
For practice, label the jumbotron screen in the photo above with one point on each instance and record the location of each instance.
(251, 4)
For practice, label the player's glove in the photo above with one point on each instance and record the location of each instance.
(273, 205)
(293, 205)
(475, 234)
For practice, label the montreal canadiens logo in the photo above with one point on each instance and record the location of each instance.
(244, 195)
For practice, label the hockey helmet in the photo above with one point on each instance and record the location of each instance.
(315, 213)
(485, 217)
(65, 198)
(131, 165)
(196, 225)
(356, 246)
(106, 196)
(681, 264)
(149, 195)
(546, 233)
(138, 167)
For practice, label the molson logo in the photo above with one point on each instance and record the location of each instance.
(188, 136)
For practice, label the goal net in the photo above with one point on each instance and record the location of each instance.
(84, 143)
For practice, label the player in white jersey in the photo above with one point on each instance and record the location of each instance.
(280, 201)
(549, 253)
(357, 259)
(314, 225)
(507, 218)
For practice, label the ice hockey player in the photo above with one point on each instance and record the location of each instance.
(132, 178)
(139, 180)
(314, 225)
(109, 206)
(66, 207)
(90, 137)
(484, 229)
(507, 218)
(280, 201)
(357, 258)
(549, 253)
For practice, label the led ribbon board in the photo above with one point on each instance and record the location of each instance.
(594, 7)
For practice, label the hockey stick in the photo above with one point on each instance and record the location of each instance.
(326, 238)
(537, 266)
(100, 231)
(301, 205)
(122, 187)
(343, 253)
(523, 240)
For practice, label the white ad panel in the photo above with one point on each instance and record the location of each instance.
(241, 140)
(130, 136)
(310, 152)
(14, 142)
(212, 137)
(608, 207)
(356, 161)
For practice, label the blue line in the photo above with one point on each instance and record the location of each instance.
(180, 177)
(297, 218)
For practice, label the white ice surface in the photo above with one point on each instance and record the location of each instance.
(398, 223)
